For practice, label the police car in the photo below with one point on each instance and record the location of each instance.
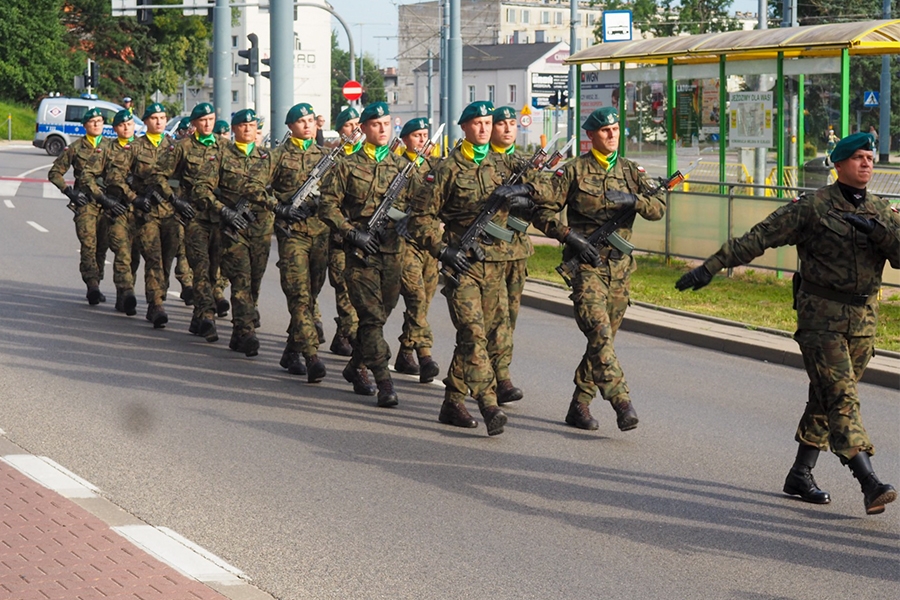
(59, 121)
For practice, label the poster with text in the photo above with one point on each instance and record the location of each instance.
(750, 119)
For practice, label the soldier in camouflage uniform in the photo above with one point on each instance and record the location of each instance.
(844, 235)
(455, 193)
(352, 192)
(419, 275)
(347, 319)
(600, 287)
(194, 162)
(222, 131)
(90, 228)
(302, 242)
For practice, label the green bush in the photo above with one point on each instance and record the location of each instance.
(23, 118)
(810, 151)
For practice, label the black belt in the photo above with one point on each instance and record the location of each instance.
(829, 294)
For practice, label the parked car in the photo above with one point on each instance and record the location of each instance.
(58, 122)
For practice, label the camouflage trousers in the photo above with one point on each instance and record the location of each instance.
(244, 263)
(302, 262)
(203, 247)
(600, 303)
(183, 272)
(374, 291)
(346, 319)
(92, 229)
(418, 282)
(159, 239)
(834, 362)
(479, 309)
(126, 247)
(501, 349)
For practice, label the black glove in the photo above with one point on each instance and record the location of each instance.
(521, 204)
(78, 198)
(862, 224)
(363, 240)
(233, 219)
(520, 189)
(587, 252)
(455, 259)
(402, 227)
(695, 278)
(621, 199)
(288, 213)
(112, 205)
(183, 207)
(143, 204)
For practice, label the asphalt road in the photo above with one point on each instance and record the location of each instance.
(316, 493)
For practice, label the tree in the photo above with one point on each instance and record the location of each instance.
(371, 78)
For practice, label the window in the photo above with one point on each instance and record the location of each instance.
(510, 15)
(394, 97)
(539, 36)
(512, 94)
(234, 41)
(558, 17)
(471, 93)
(74, 112)
(526, 16)
(545, 17)
(591, 18)
(490, 93)
(234, 96)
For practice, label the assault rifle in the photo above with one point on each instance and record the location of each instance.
(242, 208)
(386, 211)
(540, 161)
(606, 234)
(184, 212)
(301, 198)
(77, 198)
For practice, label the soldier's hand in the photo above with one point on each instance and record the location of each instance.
(620, 198)
(695, 279)
(143, 204)
(288, 213)
(862, 224)
(71, 194)
(455, 259)
(587, 252)
(112, 205)
(364, 241)
(509, 191)
(521, 204)
(402, 227)
(183, 207)
(233, 219)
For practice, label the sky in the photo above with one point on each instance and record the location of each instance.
(373, 24)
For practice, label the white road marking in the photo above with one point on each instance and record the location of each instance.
(9, 188)
(38, 227)
(30, 171)
(9, 204)
(51, 191)
(52, 475)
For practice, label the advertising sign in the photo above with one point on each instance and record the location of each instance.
(594, 95)
(750, 119)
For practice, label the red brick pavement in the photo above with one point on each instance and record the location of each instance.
(51, 548)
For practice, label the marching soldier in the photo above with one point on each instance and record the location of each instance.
(351, 194)
(419, 275)
(183, 129)
(844, 235)
(222, 131)
(90, 228)
(600, 287)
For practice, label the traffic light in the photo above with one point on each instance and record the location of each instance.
(266, 62)
(554, 99)
(563, 99)
(145, 17)
(252, 56)
(92, 75)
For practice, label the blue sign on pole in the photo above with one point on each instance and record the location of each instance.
(870, 98)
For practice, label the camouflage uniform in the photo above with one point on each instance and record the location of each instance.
(837, 305)
(347, 320)
(90, 228)
(302, 256)
(350, 195)
(600, 294)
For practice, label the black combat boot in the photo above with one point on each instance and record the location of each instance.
(455, 413)
(120, 301)
(428, 369)
(320, 332)
(800, 480)
(387, 397)
(156, 314)
(256, 322)
(875, 493)
(233, 342)
(93, 295)
(194, 327)
(248, 344)
(208, 330)
(102, 297)
(507, 392)
(362, 385)
(129, 303)
(222, 307)
(579, 416)
(291, 361)
(494, 419)
(187, 295)
(340, 345)
(626, 417)
(315, 369)
(406, 363)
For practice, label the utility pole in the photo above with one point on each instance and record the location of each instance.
(430, 106)
(281, 61)
(455, 68)
(445, 34)
(573, 72)
(884, 101)
(222, 59)
(759, 172)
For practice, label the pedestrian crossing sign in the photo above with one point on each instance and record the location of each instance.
(870, 98)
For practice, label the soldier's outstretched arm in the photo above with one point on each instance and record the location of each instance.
(57, 172)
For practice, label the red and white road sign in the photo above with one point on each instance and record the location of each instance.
(525, 120)
(352, 90)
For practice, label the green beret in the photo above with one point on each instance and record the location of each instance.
(90, 114)
(376, 110)
(412, 125)
(221, 127)
(481, 108)
(201, 110)
(248, 115)
(845, 148)
(297, 112)
(348, 114)
(607, 115)
(183, 124)
(122, 116)
(154, 108)
(504, 112)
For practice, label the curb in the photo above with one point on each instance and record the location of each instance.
(711, 333)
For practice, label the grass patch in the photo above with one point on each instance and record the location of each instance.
(757, 298)
(23, 118)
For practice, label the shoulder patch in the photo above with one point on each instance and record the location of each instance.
(895, 208)
(429, 178)
(641, 169)
(560, 172)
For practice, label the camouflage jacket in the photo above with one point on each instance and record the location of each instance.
(190, 163)
(238, 176)
(290, 167)
(115, 157)
(141, 165)
(833, 255)
(521, 241)
(78, 156)
(353, 190)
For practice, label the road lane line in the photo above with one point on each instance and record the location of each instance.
(52, 475)
(51, 191)
(9, 204)
(30, 171)
(9, 188)
(38, 227)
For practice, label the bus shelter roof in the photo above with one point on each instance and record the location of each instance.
(860, 38)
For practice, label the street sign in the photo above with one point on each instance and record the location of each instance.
(352, 90)
(870, 98)
(617, 25)
(526, 110)
(525, 120)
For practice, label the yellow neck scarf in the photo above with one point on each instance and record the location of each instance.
(155, 139)
(348, 149)
(376, 153)
(93, 140)
(500, 150)
(607, 162)
(302, 144)
(474, 153)
(245, 148)
(412, 156)
(125, 141)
